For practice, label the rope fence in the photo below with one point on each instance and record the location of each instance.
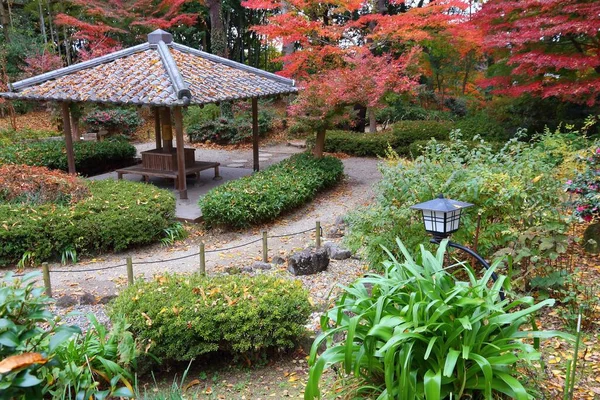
(201, 254)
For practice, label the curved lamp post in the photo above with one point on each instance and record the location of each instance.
(441, 217)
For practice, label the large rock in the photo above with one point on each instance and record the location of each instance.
(336, 252)
(308, 262)
(591, 239)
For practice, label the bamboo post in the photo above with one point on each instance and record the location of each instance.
(129, 271)
(47, 285)
(202, 259)
(318, 234)
(265, 248)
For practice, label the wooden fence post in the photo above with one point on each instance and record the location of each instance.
(202, 259)
(129, 271)
(265, 248)
(318, 234)
(47, 285)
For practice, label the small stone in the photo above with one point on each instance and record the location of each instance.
(340, 220)
(66, 301)
(239, 161)
(334, 232)
(235, 165)
(278, 260)
(261, 265)
(591, 239)
(308, 262)
(107, 299)
(247, 269)
(87, 299)
(336, 252)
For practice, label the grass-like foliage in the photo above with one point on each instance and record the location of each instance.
(267, 194)
(90, 157)
(184, 316)
(10, 136)
(115, 216)
(419, 332)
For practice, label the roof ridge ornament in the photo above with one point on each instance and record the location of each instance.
(158, 36)
(181, 88)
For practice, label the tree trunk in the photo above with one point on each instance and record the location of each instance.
(5, 22)
(319, 144)
(42, 22)
(67, 46)
(372, 120)
(218, 43)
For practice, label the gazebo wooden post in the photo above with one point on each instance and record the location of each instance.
(66, 121)
(255, 133)
(180, 153)
(157, 128)
(166, 129)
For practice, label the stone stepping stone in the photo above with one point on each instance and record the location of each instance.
(239, 161)
(235, 165)
(265, 155)
(263, 159)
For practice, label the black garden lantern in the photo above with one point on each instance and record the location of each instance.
(441, 216)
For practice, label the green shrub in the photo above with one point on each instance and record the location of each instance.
(10, 136)
(123, 121)
(228, 131)
(184, 316)
(514, 191)
(400, 108)
(116, 216)
(418, 332)
(483, 125)
(50, 358)
(265, 195)
(91, 158)
(399, 137)
(197, 115)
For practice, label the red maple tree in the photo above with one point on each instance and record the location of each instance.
(545, 48)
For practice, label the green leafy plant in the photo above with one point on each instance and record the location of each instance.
(40, 356)
(180, 317)
(90, 157)
(117, 215)
(514, 190)
(228, 131)
(11, 136)
(419, 332)
(267, 194)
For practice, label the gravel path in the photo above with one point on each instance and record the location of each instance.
(356, 190)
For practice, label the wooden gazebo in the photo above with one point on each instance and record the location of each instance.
(165, 76)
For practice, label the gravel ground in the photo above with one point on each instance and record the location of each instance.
(356, 190)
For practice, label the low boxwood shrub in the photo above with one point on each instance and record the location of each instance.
(265, 195)
(10, 136)
(115, 216)
(39, 185)
(399, 137)
(122, 121)
(90, 157)
(419, 332)
(184, 316)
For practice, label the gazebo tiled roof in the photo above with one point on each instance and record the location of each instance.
(158, 73)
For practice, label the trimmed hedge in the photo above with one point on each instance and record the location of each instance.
(265, 195)
(10, 136)
(117, 215)
(399, 137)
(91, 158)
(183, 316)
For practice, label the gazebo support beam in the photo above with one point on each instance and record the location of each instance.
(166, 129)
(66, 121)
(255, 133)
(180, 153)
(157, 128)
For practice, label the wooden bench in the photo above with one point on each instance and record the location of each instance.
(192, 170)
